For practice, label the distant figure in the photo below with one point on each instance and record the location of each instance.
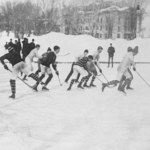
(32, 45)
(18, 47)
(15, 45)
(111, 51)
(6, 46)
(25, 49)
(11, 43)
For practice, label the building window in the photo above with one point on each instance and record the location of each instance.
(118, 29)
(119, 20)
(97, 35)
(87, 28)
(105, 35)
(101, 28)
(118, 35)
(101, 36)
(101, 20)
(106, 28)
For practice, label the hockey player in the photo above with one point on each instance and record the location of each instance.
(46, 61)
(18, 66)
(128, 87)
(80, 67)
(127, 61)
(39, 61)
(92, 69)
(76, 59)
(29, 59)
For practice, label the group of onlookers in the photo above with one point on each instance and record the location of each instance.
(23, 48)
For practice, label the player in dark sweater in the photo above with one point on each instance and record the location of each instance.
(45, 62)
(39, 61)
(18, 65)
(80, 67)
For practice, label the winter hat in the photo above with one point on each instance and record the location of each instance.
(129, 49)
(135, 50)
(49, 49)
(86, 51)
(37, 45)
(90, 57)
(56, 48)
(99, 47)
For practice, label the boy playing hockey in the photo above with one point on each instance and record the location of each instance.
(18, 66)
(92, 69)
(39, 62)
(46, 61)
(128, 87)
(29, 59)
(123, 67)
(80, 67)
(76, 59)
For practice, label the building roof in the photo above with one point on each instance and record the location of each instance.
(114, 8)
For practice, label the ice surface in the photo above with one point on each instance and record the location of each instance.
(77, 120)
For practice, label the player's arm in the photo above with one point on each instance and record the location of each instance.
(133, 63)
(97, 64)
(2, 61)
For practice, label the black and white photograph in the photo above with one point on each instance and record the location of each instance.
(75, 75)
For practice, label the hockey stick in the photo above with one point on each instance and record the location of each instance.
(64, 54)
(105, 77)
(59, 80)
(22, 80)
(142, 78)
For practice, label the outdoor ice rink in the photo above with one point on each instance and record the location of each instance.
(76, 119)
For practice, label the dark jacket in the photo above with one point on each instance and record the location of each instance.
(25, 49)
(49, 58)
(111, 51)
(31, 46)
(18, 47)
(12, 57)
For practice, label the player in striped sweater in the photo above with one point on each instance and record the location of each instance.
(80, 67)
(91, 67)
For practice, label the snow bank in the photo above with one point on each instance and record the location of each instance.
(75, 45)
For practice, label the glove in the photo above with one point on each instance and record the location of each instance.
(6, 67)
(57, 72)
(134, 69)
(100, 70)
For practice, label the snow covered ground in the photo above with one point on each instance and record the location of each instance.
(77, 120)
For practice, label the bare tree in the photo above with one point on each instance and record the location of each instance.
(48, 20)
(71, 17)
(110, 20)
(135, 16)
(7, 10)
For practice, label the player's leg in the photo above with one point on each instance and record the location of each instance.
(75, 73)
(50, 76)
(70, 73)
(15, 72)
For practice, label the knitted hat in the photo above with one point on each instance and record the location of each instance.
(135, 50)
(56, 48)
(90, 57)
(100, 47)
(129, 49)
(86, 51)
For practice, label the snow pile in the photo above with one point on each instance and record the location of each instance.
(77, 120)
(75, 45)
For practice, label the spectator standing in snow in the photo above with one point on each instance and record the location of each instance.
(111, 51)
